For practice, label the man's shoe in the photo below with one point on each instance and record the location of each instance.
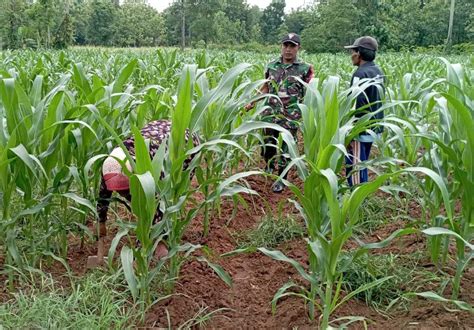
(278, 187)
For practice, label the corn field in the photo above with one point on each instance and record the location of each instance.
(63, 112)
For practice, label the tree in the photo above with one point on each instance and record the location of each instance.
(183, 24)
(64, 35)
(464, 16)
(235, 10)
(102, 23)
(254, 30)
(238, 13)
(334, 25)
(432, 23)
(427, 23)
(225, 31)
(12, 18)
(324, 27)
(470, 27)
(298, 20)
(80, 13)
(202, 14)
(371, 13)
(44, 18)
(177, 22)
(272, 20)
(139, 25)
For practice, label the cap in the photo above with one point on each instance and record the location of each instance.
(291, 37)
(112, 172)
(112, 165)
(365, 42)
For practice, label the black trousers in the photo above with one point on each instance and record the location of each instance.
(104, 202)
(270, 151)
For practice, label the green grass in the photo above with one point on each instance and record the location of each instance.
(378, 210)
(373, 214)
(201, 318)
(405, 274)
(96, 301)
(271, 232)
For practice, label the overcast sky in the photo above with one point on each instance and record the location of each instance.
(290, 4)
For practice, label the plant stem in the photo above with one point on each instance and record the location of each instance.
(206, 213)
(460, 246)
(327, 306)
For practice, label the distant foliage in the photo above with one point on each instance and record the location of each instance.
(326, 27)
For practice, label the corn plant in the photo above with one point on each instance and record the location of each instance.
(164, 182)
(46, 142)
(216, 115)
(453, 157)
(176, 188)
(329, 209)
(29, 170)
(61, 112)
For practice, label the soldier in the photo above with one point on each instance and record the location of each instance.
(283, 108)
(363, 53)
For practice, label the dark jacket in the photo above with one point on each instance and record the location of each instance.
(371, 94)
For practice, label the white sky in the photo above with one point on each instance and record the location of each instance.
(290, 4)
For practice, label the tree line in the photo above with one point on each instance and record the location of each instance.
(325, 25)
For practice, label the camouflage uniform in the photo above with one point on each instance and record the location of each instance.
(284, 110)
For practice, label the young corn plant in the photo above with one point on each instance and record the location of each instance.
(329, 209)
(176, 187)
(164, 182)
(29, 171)
(216, 114)
(45, 143)
(453, 157)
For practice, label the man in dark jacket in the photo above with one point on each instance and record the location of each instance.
(363, 53)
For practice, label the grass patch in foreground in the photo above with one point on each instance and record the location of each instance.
(378, 210)
(271, 232)
(96, 301)
(406, 275)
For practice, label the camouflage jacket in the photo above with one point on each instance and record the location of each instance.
(284, 109)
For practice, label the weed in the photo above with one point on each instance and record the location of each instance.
(97, 301)
(271, 232)
(403, 274)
